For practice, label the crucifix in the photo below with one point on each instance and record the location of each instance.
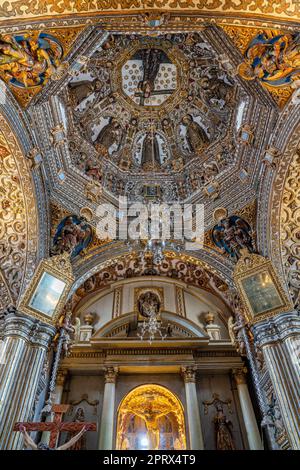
(55, 427)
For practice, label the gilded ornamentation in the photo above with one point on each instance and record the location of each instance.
(273, 59)
(185, 270)
(28, 60)
(242, 37)
(155, 411)
(20, 9)
(289, 227)
(18, 236)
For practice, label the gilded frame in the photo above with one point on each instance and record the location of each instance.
(251, 265)
(58, 267)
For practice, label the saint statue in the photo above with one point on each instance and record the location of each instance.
(224, 440)
(81, 90)
(110, 134)
(150, 152)
(196, 136)
(149, 304)
(151, 59)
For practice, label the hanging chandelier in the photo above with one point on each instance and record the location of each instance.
(152, 328)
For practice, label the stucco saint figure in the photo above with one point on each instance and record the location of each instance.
(110, 134)
(81, 90)
(196, 136)
(150, 152)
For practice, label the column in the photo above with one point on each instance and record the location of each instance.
(279, 340)
(192, 407)
(253, 435)
(26, 341)
(108, 410)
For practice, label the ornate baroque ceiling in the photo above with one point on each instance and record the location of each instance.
(169, 104)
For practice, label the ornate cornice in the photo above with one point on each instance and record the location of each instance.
(18, 10)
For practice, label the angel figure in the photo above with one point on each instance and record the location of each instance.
(236, 333)
(41, 446)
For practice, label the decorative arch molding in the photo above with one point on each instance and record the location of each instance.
(88, 10)
(272, 196)
(18, 216)
(188, 269)
(17, 119)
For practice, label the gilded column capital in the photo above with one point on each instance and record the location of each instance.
(30, 330)
(240, 375)
(110, 374)
(189, 374)
(61, 377)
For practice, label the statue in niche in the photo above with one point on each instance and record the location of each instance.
(80, 444)
(81, 90)
(216, 91)
(150, 152)
(231, 235)
(223, 427)
(110, 134)
(196, 136)
(149, 304)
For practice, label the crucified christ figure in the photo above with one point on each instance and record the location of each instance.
(41, 446)
(151, 418)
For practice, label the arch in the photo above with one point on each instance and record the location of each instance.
(159, 414)
(18, 215)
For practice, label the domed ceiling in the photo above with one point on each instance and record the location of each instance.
(156, 108)
(163, 116)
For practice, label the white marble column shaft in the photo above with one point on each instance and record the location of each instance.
(108, 410)
(192, 408)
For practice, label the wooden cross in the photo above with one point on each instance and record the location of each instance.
(56, 426)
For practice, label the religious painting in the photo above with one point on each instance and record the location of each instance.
(261, 292)
(151, 417)
(73, 235)
(274, 59)
(231, 235)
(47, 292)
(29, 61)
(260, 287)
(149, 77)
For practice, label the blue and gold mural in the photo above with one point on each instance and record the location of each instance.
(231, 234)
(73, 235)
(29, 59)
(272, 58)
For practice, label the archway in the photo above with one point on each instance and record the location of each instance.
(150, 417)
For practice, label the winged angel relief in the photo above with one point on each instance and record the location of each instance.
(28, 60)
